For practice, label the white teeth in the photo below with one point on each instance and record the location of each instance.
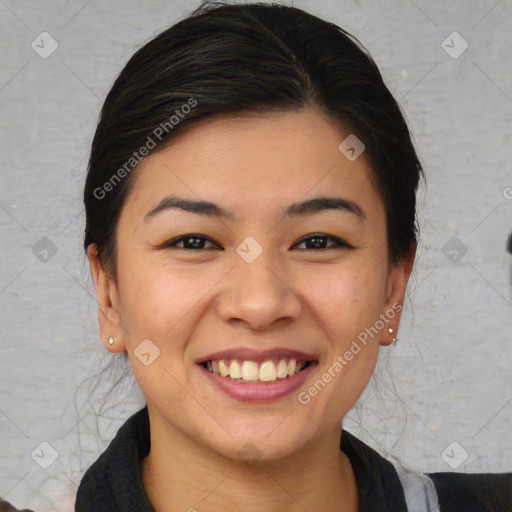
(235, 372)
(223, 369)
(282, 369)
(268, 371)
(251, 371)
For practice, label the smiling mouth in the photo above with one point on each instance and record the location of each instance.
(250, 371)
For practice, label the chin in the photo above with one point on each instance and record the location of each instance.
(268, 443)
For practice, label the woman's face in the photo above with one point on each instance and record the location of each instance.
(254, 286)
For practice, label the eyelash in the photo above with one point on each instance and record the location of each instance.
(339, 242)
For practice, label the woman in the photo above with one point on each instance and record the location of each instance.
(250, 208)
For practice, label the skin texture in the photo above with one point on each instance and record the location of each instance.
(191, 303)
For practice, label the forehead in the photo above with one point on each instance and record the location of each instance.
(245, 162)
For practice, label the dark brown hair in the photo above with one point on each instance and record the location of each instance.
(241, 59)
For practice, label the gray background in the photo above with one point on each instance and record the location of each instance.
(448, 379)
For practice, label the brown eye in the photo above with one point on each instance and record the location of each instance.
(319, 241)
(190, 241)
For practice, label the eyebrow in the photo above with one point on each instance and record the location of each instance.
(301, 208)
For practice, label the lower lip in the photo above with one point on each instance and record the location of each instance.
(257, 392)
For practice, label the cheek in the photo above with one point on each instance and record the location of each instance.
(156, 302)
(347, 381)
(346, 296)
(159, 299)
(348, 301)
(151, 297)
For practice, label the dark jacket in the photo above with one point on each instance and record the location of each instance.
(5, 506)
(114, 482)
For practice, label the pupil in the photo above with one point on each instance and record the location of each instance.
(194, 244)
(317, 242)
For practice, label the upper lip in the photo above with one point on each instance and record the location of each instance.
(259, 356)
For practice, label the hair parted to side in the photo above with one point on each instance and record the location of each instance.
(243, 59)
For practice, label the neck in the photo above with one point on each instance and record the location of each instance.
(180, 475)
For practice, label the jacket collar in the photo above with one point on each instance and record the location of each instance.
(114, 481)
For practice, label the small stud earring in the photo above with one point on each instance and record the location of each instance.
(111, 340)
(394, 340)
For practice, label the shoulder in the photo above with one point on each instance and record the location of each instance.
(5, 506)
(473, 492)
(95, 489)
(113, 483)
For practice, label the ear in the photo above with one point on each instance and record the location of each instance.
(108, 304)
(398, 278)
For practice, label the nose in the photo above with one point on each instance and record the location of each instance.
(258, 295)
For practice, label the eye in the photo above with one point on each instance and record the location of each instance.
(318, 241)
(313, 241)
(190, 241)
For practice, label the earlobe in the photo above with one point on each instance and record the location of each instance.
(108, 303)
(395, 292)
